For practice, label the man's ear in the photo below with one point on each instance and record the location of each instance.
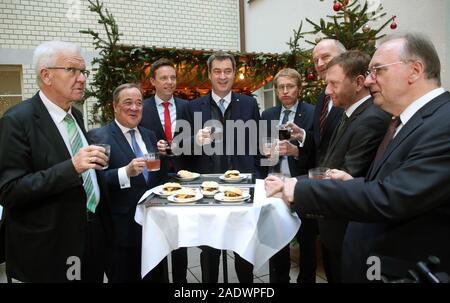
(45, 76)
(359, 80)
(417, 71)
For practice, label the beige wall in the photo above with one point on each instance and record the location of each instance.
(270, 23)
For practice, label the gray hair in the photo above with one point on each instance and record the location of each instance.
(339, 46)
(418, 47)
(221, 56)
(45, 54)
(121, 87)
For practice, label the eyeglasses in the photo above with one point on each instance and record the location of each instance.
(73, 71)
(288, 87)
(372, 72)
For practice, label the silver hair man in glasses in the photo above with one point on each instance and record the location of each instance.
(400, 212)
(55, 212)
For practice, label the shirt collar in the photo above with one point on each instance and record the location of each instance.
(216, 98)
(159, 101)
(419, 103)
(355, 105)
(124, 129)
(57, 113)
(293, 108)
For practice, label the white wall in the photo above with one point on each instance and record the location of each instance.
(200, 24)
(269, 23)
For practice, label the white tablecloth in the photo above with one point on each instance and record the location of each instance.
(256, 232)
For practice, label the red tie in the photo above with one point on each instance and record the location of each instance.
(167, 122)
(395, 122)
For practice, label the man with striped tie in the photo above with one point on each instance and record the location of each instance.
(56, 215)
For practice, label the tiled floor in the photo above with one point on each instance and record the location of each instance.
(194, 272)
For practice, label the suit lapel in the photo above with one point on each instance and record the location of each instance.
(416, 121)
(48, 129)
(154, 113)
(206, 109)
(121, 141)
(235, 107)
(149, 144)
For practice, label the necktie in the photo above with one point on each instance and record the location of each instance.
(286, 113)
(323, 115)
(75, 145)
(387, 138)
(167, 122)
(138, 152)
(222, 106)
(338, 133)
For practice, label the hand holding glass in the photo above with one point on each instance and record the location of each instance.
(152, 161)
(107, 148)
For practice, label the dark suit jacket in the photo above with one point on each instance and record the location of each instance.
(353, 152)
(319, 144)
(151, 121)
(43, 196)
(304, 119)
(124, 201)
(243, 108)
(402, 206)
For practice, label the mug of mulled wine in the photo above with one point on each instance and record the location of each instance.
(284, 133)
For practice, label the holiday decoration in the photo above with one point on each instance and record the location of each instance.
(349, 25)
(393, 24)
(337, 6)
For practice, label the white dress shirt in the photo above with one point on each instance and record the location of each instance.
(124, 179)
(227, 99)
(58, 114)
(172, 112)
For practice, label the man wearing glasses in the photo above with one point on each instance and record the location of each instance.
(56, 214)
(400, 210)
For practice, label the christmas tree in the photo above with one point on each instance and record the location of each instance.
(350, 25)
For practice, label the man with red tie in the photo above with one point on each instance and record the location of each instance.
(161, 113)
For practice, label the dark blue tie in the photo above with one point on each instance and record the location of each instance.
(138, 152)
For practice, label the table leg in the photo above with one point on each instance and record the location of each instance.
(224, 266)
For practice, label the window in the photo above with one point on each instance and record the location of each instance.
(270, 98)
(10, 86)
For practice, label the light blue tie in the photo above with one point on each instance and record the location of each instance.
(222, 106)
(75, 145)
(138, 152)
(286, 113)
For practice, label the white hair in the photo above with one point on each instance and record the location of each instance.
(45, 54)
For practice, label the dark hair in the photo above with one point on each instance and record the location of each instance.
(160, 63)
(120, 88)
(290, 73)
(221, 56)
(353, 62)
(418, 47)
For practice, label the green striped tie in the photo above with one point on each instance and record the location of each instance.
(76, 144)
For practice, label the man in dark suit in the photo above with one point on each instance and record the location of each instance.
(57, 218)
(288, 84)
(164, 104)
(224, 107)
(400, 210)
(326, 118)
(128, 179)
(353, 144)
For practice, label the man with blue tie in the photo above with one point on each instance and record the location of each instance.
(160, 115)
(127, 178)
(288, 84)
(224, 106)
